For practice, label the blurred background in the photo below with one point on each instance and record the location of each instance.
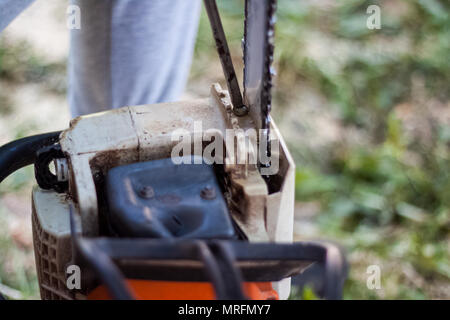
(365, 113)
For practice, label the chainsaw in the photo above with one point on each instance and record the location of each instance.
(186, 200)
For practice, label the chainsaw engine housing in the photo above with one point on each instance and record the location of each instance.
(114, 154)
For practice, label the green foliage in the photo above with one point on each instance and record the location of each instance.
(15, 269)
(374, 200)
(390, 197)
(306, 294)
(19, 64)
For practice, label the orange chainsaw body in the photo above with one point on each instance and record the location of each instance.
(172, 290)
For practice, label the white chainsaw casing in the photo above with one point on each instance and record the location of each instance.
(98, 142)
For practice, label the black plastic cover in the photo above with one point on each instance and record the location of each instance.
(159, 199)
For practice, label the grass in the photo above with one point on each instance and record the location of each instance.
(17, 269)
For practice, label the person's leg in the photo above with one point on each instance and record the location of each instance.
(9, 9)
(130, 52)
